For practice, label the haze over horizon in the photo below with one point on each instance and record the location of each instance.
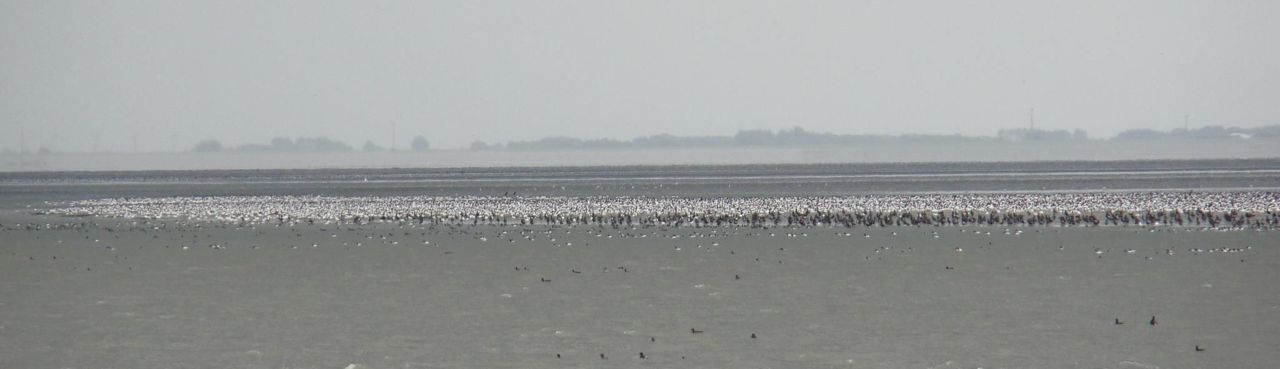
(161, 75)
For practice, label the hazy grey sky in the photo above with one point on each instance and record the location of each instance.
(456, 71)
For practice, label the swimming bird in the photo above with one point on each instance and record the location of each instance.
(753, 336)
(1118, 322)
(1153, 320)
(1199, 349)
(642, 355)
(695, 331)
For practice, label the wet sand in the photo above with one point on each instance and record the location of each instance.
(115, 293)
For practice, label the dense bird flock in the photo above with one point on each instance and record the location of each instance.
(1215, 209)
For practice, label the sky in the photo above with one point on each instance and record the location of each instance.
(161, 75)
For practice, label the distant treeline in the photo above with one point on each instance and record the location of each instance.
(302, 144)
(791, 137)
(748, 138)
(1211, 132)
(799, 137)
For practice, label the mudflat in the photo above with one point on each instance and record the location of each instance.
(98, 292)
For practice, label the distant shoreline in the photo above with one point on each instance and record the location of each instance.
(682, 170)
(918, 152)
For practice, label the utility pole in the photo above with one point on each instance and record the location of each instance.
(1032, 117)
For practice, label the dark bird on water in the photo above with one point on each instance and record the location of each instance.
(694, 331)
(602, 356)
(545, 280)
(1199, 349)
(1118, 322)
(641, 355)
(1153, 320)
(753, 336)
